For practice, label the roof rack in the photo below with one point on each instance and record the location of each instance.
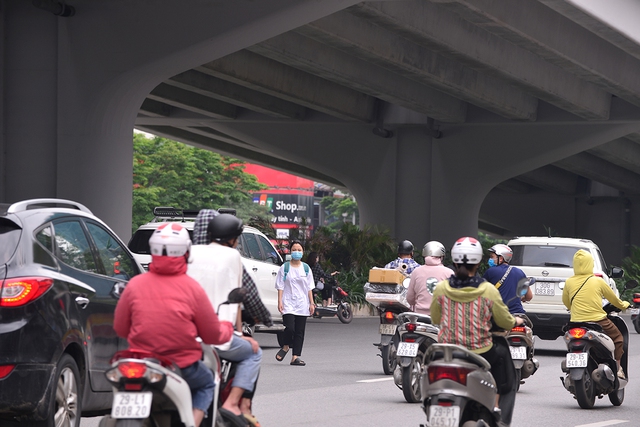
(31, 204)
(171, 212)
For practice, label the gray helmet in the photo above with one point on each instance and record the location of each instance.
(405, 248)
(224, 227)
(433, 248)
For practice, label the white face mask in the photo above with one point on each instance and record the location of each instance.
(297, 255)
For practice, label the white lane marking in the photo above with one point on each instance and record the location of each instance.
(377, 380)
(604, 423)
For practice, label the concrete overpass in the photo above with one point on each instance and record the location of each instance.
(518, 116)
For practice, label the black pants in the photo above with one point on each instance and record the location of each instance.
(293, 334)
(499, 357)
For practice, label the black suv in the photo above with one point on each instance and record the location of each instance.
(61, 273)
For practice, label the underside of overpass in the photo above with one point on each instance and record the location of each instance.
(514, 116)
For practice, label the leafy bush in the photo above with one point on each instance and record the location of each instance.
(631, 267)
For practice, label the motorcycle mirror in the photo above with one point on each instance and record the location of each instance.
(630, 284)
(523, 286)
(431, 284)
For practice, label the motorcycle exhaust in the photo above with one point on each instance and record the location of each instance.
(529, 367)
(603, 376)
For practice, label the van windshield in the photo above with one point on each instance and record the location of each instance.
(544, 255)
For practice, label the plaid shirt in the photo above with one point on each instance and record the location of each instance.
(253, 305)
(410, 262)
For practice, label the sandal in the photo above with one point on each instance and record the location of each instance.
(253, 421)
(297, 362)
(281, 354)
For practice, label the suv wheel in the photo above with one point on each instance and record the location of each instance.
(66, 400)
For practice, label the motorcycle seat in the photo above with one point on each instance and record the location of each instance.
(588, 325)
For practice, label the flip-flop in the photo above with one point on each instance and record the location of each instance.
(281, 354)
(253, 421)
(297, 362)
(233, 418)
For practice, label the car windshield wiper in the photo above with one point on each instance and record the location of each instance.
(555, 264)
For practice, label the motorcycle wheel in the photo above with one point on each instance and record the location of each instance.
(389, 361)
(344, 312)
(616, 397)
(584, 391)
(224, 421)
(636, 324)
(518, 379)
(411, 379)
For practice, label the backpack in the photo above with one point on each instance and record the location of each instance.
(287, 265)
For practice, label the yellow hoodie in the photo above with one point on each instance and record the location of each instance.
(587, 303)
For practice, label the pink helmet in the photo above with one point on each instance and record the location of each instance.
(466, 250)
(502, 250)
(170, 239)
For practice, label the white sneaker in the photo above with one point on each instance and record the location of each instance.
(621, 374)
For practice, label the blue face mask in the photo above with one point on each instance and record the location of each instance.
(297, 255)
(492, 263)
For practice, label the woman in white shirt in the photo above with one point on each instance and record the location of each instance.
(294, 283)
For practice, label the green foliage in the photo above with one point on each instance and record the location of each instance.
(335, 207)
(631, 267)
(169, 173)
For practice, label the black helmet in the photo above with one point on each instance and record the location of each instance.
(224, 227)
(405, 248)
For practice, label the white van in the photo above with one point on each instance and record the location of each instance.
(550, 261)
(259, 257)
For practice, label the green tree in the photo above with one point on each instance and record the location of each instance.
(169, 173)
(335, 207)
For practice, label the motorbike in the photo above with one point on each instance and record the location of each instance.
(416, 335)
(590, 366)
(340, 306)
(521, 346)
(390, 299)
(459, 389)
(148, 389)
(634, 310)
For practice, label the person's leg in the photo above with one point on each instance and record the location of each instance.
(247, 371)
(202, 386)
(614, 333)
(298, 336)
(285, 338)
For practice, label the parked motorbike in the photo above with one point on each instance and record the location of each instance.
(149, 391)
(340, 306)
(634, 310)
(458, 388)
(521, 345)
(390, 299)
(590, 366)
(416, 335)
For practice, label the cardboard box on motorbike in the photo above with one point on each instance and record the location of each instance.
(385, 287)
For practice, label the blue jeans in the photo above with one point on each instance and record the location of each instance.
(200, 381)
(248, 362)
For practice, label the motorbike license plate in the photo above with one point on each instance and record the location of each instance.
(545, 288)
(388, 329)
(131, 405)
(577, 360)
(408, 349)
(634, 311)
(444, 416)
(518, 353)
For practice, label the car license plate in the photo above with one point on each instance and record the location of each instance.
(577, 360)
(634, 311)
(131, 405)
(518, 353)
(388, 329)
(409, 349)
(545, 288)
(444, 416)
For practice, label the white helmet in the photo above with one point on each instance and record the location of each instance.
(502, 250)
(433, 248)
(466, 250)
(170, 239)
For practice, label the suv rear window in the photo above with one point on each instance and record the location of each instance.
(544, 255)
(139, 243)
(9, 238)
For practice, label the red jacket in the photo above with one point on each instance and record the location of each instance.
(164, 310)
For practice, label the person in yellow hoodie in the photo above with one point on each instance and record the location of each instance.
(463, 306)
(582, 295)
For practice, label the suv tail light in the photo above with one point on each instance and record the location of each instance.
(6, 370)
(22, 290)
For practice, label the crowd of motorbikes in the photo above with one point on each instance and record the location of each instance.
(455, 385)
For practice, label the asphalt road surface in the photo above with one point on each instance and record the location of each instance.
(343, 385)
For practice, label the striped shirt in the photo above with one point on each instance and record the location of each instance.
(466, 323)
